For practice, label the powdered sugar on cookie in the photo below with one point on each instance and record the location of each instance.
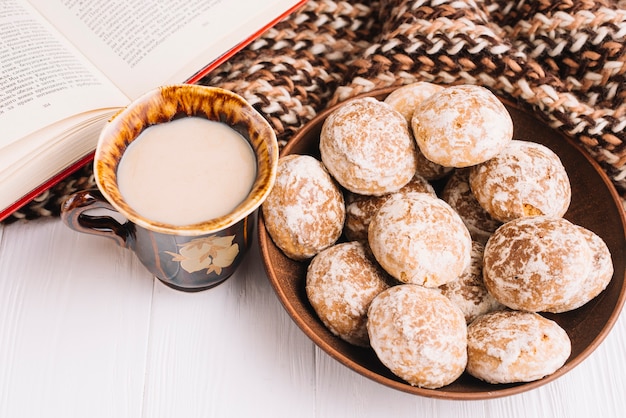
(412, 236)
(366, 146)
(419, 335)
(305, 211)
(525, 179)
(460, 126)
(515, 346)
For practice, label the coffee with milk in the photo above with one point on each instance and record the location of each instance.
(186, 171)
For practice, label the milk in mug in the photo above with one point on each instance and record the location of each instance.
(186, 171)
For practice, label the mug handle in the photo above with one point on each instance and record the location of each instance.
(74, 216)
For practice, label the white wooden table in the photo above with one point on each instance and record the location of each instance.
(85, 331)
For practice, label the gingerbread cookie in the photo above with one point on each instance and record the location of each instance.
(460, 126)
(361, 208)
(525, 179)
(367, 147)
(420, 239)
(341, 282)
(419, 335)
(515, 346)
(537, 263)
(305, 210)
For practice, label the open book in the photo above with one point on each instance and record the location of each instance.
(66, 66)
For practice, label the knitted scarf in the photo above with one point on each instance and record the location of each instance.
(564, 61)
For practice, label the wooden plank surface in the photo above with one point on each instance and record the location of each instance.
(74, 323)
(85, 331)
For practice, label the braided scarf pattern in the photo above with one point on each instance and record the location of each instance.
(562, 60)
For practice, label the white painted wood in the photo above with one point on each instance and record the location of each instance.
(85, 331)
(74, 316)
(227, 352)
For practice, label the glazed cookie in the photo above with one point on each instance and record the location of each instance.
(420, 239)
(515, 346)
(460, 126)
(468, 292)
(459, 196)
(525, 179)
(305, 210)
(406, 98)
(419, 335)
(599, 277)
(537, 263)
(367, 147)
(341, 282)
(361, 208)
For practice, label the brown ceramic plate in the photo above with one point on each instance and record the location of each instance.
(595, 205)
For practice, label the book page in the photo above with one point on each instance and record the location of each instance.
(43, 79)
(141, 44)
(79, 140)
(33, 161)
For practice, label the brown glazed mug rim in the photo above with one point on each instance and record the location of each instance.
(164, 104)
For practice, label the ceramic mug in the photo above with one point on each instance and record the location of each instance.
(187, 257)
